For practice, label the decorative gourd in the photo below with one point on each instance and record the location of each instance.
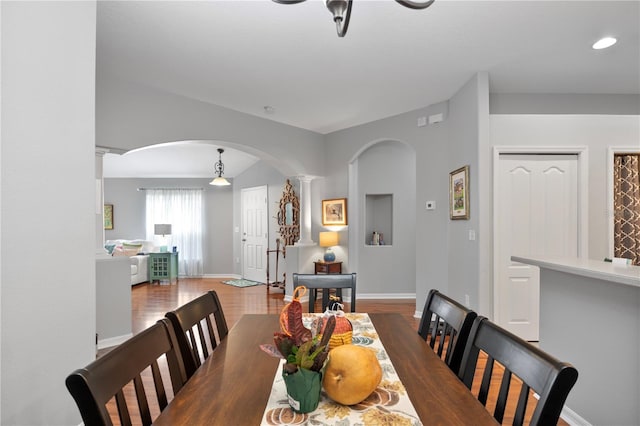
(343, 331)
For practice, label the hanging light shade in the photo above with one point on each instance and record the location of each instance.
(219, 169)
(341, 10)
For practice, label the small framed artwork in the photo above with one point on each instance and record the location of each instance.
(108, 216)
(334, 212)
(459, 193)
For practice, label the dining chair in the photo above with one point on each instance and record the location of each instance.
(549, 378)
(448, 323)
(109, 376)
(187, 323)
(326, 282)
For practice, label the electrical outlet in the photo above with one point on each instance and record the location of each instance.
(472, 235)
(422, 121)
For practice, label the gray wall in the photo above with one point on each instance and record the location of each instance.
(131, 116)
(129, 216)
(431, 183)
(47, 234)
(387, 269)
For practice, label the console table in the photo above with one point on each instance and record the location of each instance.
(163, 266)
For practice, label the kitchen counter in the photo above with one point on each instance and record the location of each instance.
(590, 317)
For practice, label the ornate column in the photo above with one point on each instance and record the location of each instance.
(305, 211)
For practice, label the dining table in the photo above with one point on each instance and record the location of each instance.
(232, 387)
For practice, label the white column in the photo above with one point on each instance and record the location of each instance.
(305, 211)
(99, 224)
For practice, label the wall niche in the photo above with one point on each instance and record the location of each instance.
(378, 219)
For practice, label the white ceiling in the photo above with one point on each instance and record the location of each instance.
(188, 159)
(244, 55)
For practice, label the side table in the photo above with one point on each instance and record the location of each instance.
(163, 266)
(326, 268)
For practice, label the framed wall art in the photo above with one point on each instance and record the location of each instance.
(334, 212)
(459, 193)
(108, 216)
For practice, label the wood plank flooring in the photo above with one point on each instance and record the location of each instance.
(151, 302)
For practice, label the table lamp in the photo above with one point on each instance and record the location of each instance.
(162, 229)
(329, 239)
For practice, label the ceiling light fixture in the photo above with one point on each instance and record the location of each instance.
(604, 42)
(219, 169)
(341, 10)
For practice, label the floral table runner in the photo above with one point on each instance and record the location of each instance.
(389, 404)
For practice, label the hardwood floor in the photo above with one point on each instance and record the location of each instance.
(151, 302)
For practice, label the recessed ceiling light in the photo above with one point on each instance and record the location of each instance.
(604, 42)
(268, 109)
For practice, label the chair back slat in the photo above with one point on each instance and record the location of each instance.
(203, 341)
(123, 410)
(161, 393)
(214, 344)
(187, 322)
(457, 320)
(143, 404)
(551, 379)
(486, 381)
(521, 408)
(95, 385)
(503, 394)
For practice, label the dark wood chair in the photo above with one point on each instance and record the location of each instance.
(95, 385)
(326, 282)
(549, 378)
(448, 323)
(187, 323)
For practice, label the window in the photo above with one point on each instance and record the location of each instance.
(182, 208)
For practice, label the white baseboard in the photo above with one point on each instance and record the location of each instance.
(573, 418)
(113, 341)
(386, 296)
(231, 276)
(417, 314)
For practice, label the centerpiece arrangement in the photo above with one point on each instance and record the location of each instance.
(305, 353)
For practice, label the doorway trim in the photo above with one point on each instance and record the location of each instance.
(583, 199)
(611, 152)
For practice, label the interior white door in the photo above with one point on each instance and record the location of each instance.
(537, 199)
(255, 232)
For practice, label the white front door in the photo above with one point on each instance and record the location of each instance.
(537, 202)
(255, 233)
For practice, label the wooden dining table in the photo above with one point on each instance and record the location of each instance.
(233, 385)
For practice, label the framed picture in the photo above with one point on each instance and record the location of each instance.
(334, 212)
(108, 216)
(459, 193)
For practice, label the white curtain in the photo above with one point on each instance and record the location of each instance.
(182, 208)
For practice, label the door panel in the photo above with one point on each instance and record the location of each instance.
(254, 233)
(537, 215)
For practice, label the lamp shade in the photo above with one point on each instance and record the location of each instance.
(162, 229)
(220, 181)
(328, 239)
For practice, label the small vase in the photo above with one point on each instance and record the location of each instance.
(303, 389)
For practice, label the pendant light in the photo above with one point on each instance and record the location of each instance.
(219, 169)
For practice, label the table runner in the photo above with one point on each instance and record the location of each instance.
(389, 404)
